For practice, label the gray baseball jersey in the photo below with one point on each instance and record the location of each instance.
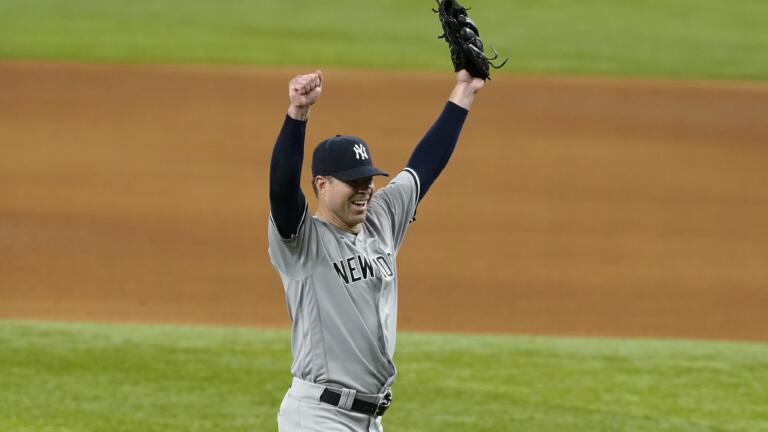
(341, 291)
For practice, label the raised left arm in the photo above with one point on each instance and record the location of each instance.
(434, 150)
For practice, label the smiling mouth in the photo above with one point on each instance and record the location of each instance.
(360, 204)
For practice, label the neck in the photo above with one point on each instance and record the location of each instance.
(338, 223)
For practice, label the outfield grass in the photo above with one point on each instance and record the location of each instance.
(660, 38)
(85, 377)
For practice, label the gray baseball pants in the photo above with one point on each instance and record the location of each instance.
(302, 411)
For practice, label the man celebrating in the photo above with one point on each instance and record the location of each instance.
(338, 267)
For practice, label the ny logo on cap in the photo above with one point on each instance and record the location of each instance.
(360, 152)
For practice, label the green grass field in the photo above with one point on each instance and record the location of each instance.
(86, 377)
(723, 39)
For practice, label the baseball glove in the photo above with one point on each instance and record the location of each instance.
(463, 39)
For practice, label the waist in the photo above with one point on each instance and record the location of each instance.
(346, 399)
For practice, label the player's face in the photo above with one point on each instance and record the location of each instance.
(346, 201)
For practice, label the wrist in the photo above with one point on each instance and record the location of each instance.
(466, 88)
(298, 112)
(463, 94)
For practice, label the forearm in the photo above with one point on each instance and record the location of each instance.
(286, 199)
(434, 150)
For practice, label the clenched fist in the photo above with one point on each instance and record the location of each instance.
(303, 92)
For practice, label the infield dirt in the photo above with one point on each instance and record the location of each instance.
(573, 206)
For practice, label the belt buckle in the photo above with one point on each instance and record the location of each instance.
(384, 403)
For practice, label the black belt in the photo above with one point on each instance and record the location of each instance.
(332, 396)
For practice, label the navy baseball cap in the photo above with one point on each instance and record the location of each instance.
(344, 157)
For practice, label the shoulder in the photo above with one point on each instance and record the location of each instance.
(395, 204)
(406, 182)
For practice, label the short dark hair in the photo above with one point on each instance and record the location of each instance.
(314, 186)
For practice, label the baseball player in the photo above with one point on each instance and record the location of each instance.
(338, 265)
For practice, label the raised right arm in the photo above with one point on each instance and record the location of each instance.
(287, 202)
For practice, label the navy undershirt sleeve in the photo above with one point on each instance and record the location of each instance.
(433, 151)
(286, 199)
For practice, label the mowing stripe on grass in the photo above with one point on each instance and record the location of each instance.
(88, 377)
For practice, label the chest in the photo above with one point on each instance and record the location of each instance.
(360, 260)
